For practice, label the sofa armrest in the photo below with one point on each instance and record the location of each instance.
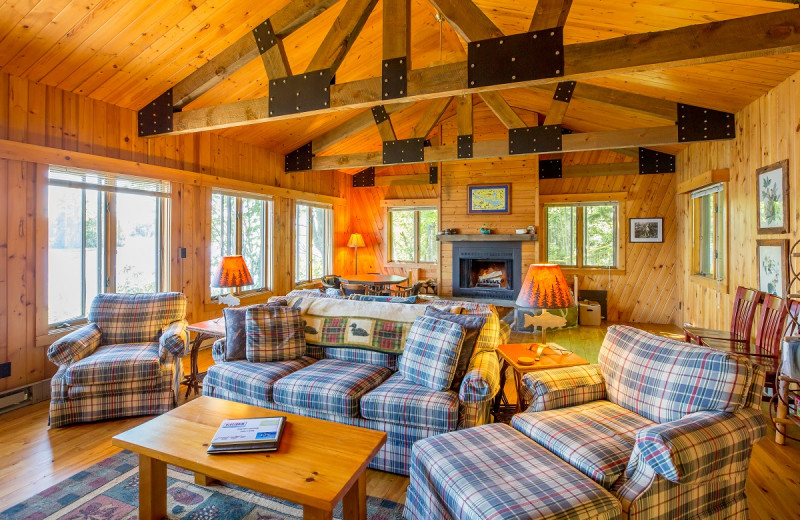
(505, 332)
(75, 346)
(482, 381)
(563, 387)
(218, 351)
(700, 446)
(174, 340)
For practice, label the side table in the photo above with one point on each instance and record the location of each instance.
(553, 356)
(204, 330)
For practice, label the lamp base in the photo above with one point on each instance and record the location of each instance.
(230, 300)
(523, 316)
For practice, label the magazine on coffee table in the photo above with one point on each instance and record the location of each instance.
(248, 435)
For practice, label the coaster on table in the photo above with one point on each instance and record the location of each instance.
(525, 360)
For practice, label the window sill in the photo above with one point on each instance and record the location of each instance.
(711, 283)
(54, 334)
(592, 270)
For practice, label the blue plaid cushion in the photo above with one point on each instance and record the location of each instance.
(494, 472)
(116, 363)
(135, 318)
(430, 357)
(274, 333)
(252, 380)
(330, 385)
(75, 346)
(472, 328)
(358, 355)
(401, 402)
(597, 438)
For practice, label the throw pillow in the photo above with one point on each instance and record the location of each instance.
(235, 331)
(472, 328)
(431, 353)
(275, 334)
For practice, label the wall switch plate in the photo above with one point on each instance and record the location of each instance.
(5, 370)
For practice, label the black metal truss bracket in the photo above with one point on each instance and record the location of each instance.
(404, 151)
(535, 139)
(550, 169)
(265, 36)
(433, 175)
(564, 91)
(301, 93)
(298, 160)
(652, 161)
(394, 80)
(156, 117)
(704, 124)
(364, 178)
(465, 146)
(515, 58)
(379, 114)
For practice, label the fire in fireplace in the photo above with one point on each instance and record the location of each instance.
(492, 275)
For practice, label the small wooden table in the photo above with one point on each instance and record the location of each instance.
(317, 465)
(374, 279)
(509, 357)
(204, 330)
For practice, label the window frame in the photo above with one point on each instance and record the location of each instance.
(584, 200)
(721, 254)
(416, 262)
(329, 244)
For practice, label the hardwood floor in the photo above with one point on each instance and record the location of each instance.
(35, 457)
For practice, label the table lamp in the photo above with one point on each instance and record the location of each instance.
(231, 272)
(544, 288)
(356, 241)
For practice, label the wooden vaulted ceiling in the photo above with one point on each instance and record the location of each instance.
(127, 52)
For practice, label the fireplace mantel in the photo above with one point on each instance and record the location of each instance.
(487, 238)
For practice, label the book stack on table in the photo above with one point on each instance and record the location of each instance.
(248, 435)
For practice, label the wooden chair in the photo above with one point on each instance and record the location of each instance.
(331, 281)
(353, 288)
(376, 290)
(744, 311)
(405, 290)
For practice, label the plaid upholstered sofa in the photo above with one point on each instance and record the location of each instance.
(124, 362)
(338, 382)
(657, 429)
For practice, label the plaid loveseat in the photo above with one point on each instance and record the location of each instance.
(124, 362)
(361, 387)
(664, 427)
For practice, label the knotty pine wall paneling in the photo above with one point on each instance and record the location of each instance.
(43, 115)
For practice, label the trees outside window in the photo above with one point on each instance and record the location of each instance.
(708, 232)
(583, 234)
(412, 235)
(313, 241)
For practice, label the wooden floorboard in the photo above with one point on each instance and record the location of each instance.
(35, 458)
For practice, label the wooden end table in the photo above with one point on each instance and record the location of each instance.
(204, 330)
(551, 357)
(318, 463)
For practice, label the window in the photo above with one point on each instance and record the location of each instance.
(313, 241)
(240, 225)
(708, 232)
(105, 234)
(583, 234)
(412, 235)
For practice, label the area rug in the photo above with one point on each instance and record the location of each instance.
(110, 491)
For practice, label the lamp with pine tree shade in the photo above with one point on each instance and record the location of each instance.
(544, 288)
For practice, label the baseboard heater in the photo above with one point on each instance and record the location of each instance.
(24, 396)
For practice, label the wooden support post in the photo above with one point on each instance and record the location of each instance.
(341, 36)
(464, 114)
(550, 13)
(430, 117)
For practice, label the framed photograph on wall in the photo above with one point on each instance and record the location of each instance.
(772, 189)
(647, 229)
(489, 198)
(773, 263)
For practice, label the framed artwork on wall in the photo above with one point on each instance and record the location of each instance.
(647, 229)
(773, 263)
(489, 198)
(772, 189)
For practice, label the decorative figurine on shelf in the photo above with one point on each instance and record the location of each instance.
(485, 229)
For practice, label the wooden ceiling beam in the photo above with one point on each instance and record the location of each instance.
(430, 117)
(738, 38)
(657, 136)
(620, 99)
(361, 122)
(600, 170)
(341, 35)
(500, 107)
(386, 130)
(276, 62)
(244, 50)
(464, 114)
(550, 13)
(397, 30)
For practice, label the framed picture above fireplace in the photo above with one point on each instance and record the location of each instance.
(489, 198)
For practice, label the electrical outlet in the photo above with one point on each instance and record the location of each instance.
(5, 370)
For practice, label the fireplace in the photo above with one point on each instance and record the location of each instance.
(487, 269)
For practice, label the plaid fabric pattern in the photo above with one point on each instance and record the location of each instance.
(505, 333)
(252, 380)
(482, 381)
(597, 438)
(376, 298)
(470, 307)
(357, 355)
(218, 351)
(175, 340)
(431, 353)
(474, 414)
(563, 387)
(116, 363)
(493, 472)
(756, 388)
(330, 386)
(401, 402)
(135, 318)
(75, 346)
(274, 334)
(664, 379)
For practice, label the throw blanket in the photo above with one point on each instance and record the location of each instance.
(378, 326)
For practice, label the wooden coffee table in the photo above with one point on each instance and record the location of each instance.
(318, 464)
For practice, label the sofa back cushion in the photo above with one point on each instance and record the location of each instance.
(472, 329)
(236, 329)
(431, 354)
(135, 318)
(274, 334)
(663, 379)
(489, 338)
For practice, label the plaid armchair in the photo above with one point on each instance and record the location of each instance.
(124, 362)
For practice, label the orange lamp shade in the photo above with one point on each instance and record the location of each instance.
(544, 287)
(356, 240)
(231, 272)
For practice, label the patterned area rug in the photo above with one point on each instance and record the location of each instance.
(110, 491)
